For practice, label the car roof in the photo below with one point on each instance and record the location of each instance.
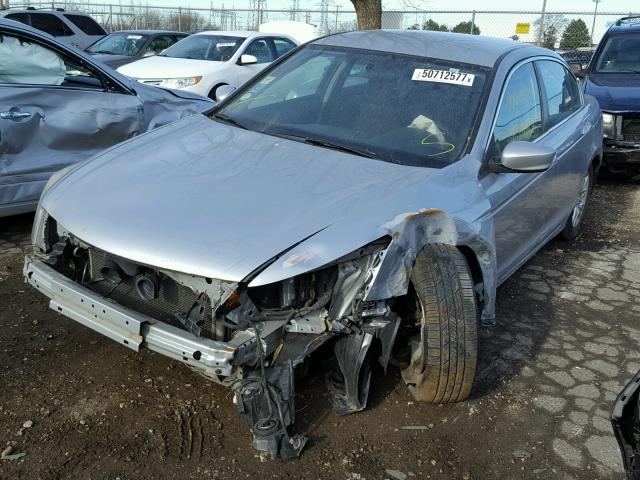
(456, 47)
(626, 24)
(151, 32)
(240, 33)
(43, 10)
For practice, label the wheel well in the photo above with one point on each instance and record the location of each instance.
(597, 163)
(472, 260)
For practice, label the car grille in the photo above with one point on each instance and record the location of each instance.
(631, 129)
(172, 297)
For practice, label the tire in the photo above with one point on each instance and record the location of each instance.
(444, 353)
(574, 222)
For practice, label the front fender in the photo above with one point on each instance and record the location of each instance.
(411, 232)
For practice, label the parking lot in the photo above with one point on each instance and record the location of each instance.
(81, 406)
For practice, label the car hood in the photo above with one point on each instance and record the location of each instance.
(167, 67)
(615, 92)
(208, 199)
(113, 61)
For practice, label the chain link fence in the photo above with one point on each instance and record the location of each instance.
(555, 29)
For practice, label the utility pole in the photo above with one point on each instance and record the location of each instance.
(595, 14)
(541, 27)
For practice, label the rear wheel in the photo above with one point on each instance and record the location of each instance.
(574, 222)
(444, 351)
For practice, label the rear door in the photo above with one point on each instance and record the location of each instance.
(55, 110)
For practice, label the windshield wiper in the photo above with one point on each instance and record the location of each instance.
(335, 146)
(628, 70)
(230, 121)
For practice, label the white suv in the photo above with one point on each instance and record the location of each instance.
(73, 28)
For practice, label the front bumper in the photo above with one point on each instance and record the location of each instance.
(130, 328)
(621, 154)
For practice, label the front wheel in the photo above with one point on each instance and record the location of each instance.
(574, 222)
(445, 350)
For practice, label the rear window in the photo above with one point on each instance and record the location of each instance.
(87, 24)
(45, 22)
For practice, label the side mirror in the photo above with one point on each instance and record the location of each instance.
(577, 68)
(525, 157)
(223, 91)
(247, 60)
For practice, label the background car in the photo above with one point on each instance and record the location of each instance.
(613, 78)
(58, 106)
(73, 28)
(205, 61)
(367, 193)
(625, 419)
(126, 46)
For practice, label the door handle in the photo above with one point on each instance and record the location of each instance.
(14, 115)
(586, 126)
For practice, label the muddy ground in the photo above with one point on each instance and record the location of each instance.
(566, 340)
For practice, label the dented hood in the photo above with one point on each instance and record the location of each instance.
(209, 199)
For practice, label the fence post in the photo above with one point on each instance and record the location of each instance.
(473, 22)
(541, 26)
(593, 25)
(179, 19)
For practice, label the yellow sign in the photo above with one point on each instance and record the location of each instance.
(523, 28)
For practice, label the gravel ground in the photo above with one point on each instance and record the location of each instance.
(566, 340)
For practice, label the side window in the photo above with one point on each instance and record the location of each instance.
(520, 114)
(260, 49)
(19, 17)
(51, 24)
(87, 24)
(560, 89)
(159, 43)
(29, 63)
(282, 46)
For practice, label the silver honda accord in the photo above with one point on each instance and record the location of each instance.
(367, 193)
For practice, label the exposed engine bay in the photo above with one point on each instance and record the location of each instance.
(265, 331)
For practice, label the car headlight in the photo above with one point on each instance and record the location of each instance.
(179, 83)
(608, 124)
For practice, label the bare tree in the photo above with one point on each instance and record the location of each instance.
(368, 13)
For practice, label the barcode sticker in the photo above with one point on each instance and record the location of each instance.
(454, 77)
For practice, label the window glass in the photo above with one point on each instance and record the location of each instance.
(19, 17)
(87, 24)
(520, 114)
(23, 62)
(51, 24)
(332, 95)
(560, 91)
(119, 43)
(260, 49)
(215, 48)
(160, 43)
(282, 46)
(621, 54)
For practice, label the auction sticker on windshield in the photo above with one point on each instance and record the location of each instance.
(454, 77)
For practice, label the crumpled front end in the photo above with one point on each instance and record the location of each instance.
(622, 141)
(249, 338)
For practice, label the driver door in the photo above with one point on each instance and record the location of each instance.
(55, 110)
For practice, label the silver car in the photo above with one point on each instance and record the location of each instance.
(366, 193)
(58, 106)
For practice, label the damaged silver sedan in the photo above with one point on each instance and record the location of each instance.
(59, 106)
(367, 193)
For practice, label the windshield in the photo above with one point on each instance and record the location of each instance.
(621, 54)
(128, 44)
(392, 107)
(216, 48)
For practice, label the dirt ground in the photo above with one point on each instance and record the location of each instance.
(566, 340)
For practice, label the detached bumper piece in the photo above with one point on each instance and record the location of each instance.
(125, 326)
(625, 419)
(266, 401)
